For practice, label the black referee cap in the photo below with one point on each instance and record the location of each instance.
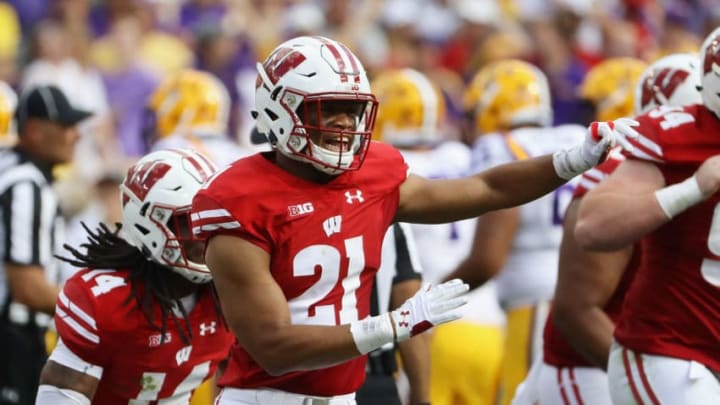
(50, 103)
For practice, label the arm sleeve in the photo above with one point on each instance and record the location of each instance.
(210, 218)
(21, 206)
(78, 323)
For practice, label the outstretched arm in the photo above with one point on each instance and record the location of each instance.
(586, 281)
(258, 313)
(508, 185)
(504, 186)
(633, 202)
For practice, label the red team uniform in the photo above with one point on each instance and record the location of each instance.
(323, 257)
(673, 306)
(98, 322)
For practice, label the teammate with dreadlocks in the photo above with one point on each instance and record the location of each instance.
(142, 322)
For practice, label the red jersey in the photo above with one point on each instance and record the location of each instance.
(673, 305)
(97, 323)
(324, 240)
(557, 351)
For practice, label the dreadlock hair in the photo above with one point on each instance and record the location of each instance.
(107, 250)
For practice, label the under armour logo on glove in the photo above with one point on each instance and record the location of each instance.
(430, 306)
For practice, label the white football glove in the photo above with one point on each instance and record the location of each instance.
(431, 305)
(601, 137)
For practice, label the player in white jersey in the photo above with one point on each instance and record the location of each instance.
(465, 354)
(190, 110)
(509, 102)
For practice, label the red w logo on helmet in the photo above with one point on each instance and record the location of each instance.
(663, 82)
(280, 62)
(712, 55)
(141, 178)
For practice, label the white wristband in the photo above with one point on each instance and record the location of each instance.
(678, 197)
(372, 332)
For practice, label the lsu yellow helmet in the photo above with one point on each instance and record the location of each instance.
(8, 102)
(610, 87)
(411, 109)
(190, 101)
(507, 94)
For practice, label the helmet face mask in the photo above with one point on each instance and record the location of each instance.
(672, 80)
(304, 88)
(156, 198)
(710, 72)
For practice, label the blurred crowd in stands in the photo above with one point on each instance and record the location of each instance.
(108, 55)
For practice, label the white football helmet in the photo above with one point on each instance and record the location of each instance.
(672, 80)
(300, 81)
(156, 197)
(710, 72)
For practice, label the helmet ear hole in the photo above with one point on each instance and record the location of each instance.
(144, 209)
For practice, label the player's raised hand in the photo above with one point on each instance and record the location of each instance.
(600, 138)
(431, 305)
(604, 135)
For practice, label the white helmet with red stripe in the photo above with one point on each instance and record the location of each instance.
(299, 86)
(672, 80)
(710, 72)
(156, 198)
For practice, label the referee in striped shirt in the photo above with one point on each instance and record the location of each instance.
(31, 232)
(397, 280)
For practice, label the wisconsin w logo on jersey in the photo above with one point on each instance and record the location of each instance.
(183, 355)
(332, 225)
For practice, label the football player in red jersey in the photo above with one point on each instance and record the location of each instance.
(592, 285)
(294, 234)
(665, 347)
(142, 322)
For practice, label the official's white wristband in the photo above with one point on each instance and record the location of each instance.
(678, 197)
(372, 332)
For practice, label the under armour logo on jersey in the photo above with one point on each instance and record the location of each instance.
(350, 198)
(332, 225)
(205, 329)
(183, 355)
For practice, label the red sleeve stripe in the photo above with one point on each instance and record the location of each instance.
(210, 214)
(74, 325)
(84, 316)
(197, 230)
(212, 220)
(595, 174)
(587, 184)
